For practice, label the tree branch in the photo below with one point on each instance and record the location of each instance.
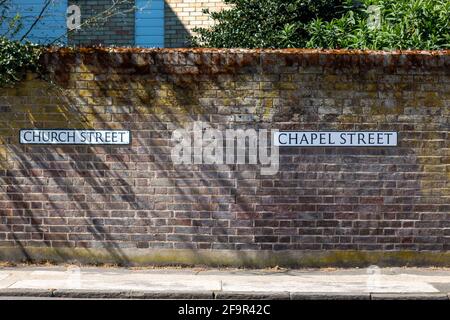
(37, 19)
(102, 16)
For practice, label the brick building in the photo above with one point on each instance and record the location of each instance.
(141, 23)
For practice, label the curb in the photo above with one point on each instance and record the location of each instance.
(241, 295)
(213, 295)
(329, 296)
(409, 296)
(106, 294)
(112, 294)
(45, 293)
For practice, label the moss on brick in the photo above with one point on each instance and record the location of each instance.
(227, 258)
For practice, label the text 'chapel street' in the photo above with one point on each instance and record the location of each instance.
(335, 139)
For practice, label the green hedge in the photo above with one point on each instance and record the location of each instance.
(403, 24)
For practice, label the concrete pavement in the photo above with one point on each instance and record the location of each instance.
(172, 283)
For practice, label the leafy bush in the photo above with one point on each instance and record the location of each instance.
(264, 23)
(403, 24)
(15, 59)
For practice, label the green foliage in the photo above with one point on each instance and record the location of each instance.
(15, 59)
(264, 23)
(403, 24)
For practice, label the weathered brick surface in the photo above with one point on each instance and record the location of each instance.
(387, 199)
(114, 24)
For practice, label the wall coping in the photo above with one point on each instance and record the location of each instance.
(300, 51)
(210, 61)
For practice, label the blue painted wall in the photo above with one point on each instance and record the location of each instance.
(149, 26)
(149, 23)
(50, 27)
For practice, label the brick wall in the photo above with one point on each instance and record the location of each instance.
(116, 29)
(181, 16)
(326, 206)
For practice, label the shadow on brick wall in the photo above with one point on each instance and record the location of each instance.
(323, 199)
(110, 197)
(175, 33)
(55, 196)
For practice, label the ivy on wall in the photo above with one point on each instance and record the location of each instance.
(16, 59)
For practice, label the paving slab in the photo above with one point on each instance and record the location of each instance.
(3, 275)
(196, 283)
(324, 283)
